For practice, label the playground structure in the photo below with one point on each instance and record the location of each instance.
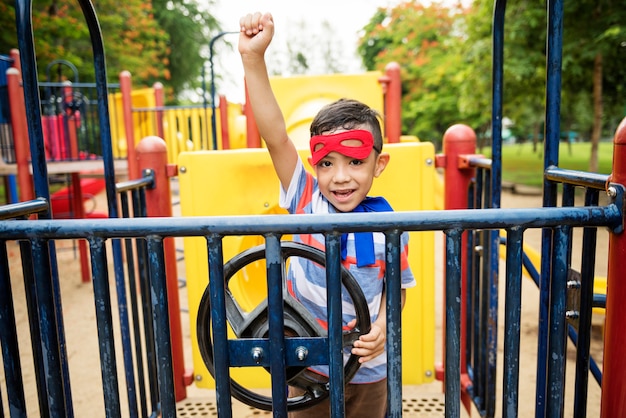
(70, 128)
(471, 329)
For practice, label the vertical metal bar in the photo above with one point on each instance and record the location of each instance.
(512, 318)
(587, 272)
(134, 305)
(551, 157)
(471, 301)
(497, 103)
(276, 313)
(483, 363)
(23, 16)
(120, 282)
(569, 200)
(122, 307)
(475, 275)
(491, 270)
(335, 349)
(162, 326)
(452, 375)
(109, 172)
(557, 342)
(26, 46)
(49, 338)
(543, 323)
(148, 324)
(8, 336)
(102, 93)
(471, 295)
(58, 311)
(480, 187)
(221, 361)
(492, 337)
(470, 336)
(394, 324)
(30, 289)
(479, 298)
(554, 46)
(104, 322)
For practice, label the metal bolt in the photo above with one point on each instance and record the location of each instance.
(266, 204)
(301, 353)
(198, 377)
(182, 169)
(573, 284)
(257, 354)
(611, 191)
(428, 373)
(429, 161)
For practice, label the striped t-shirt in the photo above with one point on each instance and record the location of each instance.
(306, 280)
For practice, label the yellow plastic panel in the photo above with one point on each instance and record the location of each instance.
(243, 182)
(301, 97)
(140, 98)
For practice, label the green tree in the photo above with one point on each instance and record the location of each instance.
(156, 41)
(524, 66)
(446, 60)
(428, 58)
(132, 38)
(189, 30)
(594, 47)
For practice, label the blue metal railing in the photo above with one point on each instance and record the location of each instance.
(154, 230)
(133, 204)
(482, 225)
(33, 253)
(482, 296)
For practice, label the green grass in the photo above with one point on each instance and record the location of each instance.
(520, 165)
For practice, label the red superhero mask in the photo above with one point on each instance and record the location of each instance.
(334, 142)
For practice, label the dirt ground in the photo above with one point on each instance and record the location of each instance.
(82, 348)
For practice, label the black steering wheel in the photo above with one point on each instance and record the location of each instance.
(298, 322)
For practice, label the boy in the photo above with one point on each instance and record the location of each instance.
(346, 153)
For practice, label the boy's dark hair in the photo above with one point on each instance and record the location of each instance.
(348, 114)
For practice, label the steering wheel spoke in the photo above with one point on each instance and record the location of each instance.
(298, 322)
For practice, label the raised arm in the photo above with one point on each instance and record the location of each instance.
(256, 34)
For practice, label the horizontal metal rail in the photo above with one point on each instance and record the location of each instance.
(576, 178)
(479, 162)
(19, 210)
(127, 186)
(609, 216)
(155, 230)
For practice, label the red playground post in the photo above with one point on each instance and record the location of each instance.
(20, 134)
(127, 111)
(614, 362)
(152, 155)
(392, 87)
(459, 144)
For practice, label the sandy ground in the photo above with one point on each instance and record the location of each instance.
(82, 348)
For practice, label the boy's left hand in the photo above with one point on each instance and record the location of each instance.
(369, 345)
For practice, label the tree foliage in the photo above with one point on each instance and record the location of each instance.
(446, 58)
(155, 41)
(424, 41)
(189, 30)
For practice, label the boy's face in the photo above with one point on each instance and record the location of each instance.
(344, 180)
